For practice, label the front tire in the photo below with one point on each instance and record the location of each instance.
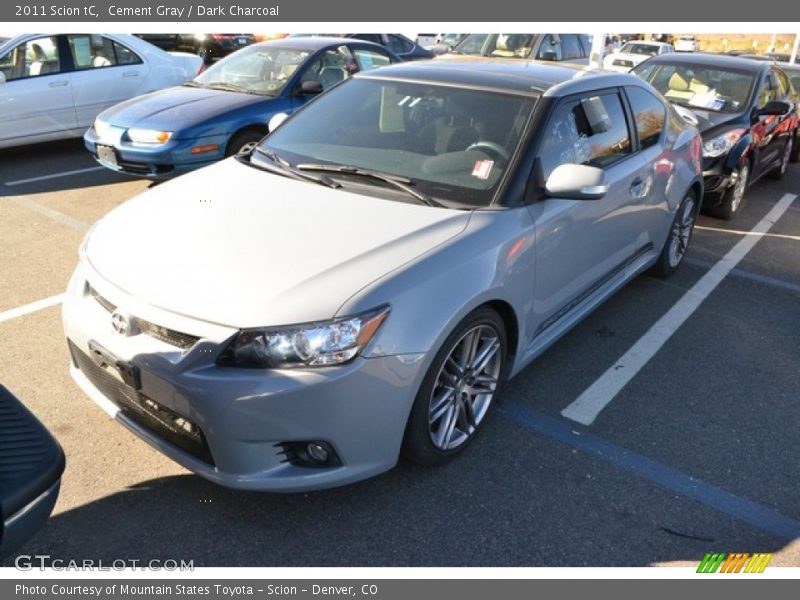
(458, 390)
(680, 234)
(733, 198)
(243, 141)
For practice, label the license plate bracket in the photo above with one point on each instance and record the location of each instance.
(128, 372)
(107, 154)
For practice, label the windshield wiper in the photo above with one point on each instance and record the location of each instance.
(284, 167)
(401, 183)
(231, 87)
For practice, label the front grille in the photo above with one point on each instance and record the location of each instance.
(164, 334)
(144, 411)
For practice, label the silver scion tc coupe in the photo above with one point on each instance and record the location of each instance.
(360, 284)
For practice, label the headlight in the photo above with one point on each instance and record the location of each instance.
(101, 128)
(722, 143)
(309, 345)
(149, 136)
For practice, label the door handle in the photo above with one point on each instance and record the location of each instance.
(61, 83)
(131, 74)
(636, 186)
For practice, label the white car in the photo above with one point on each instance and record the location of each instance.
(687, 43)
(52, 86)
(633, 53)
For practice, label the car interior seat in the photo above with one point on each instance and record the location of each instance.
(451, 133)
(330, 76)
(503, 46)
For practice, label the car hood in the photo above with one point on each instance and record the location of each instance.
(177, 108)
(237, 246)
(710, 122)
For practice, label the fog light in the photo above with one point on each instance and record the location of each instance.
(318, 452)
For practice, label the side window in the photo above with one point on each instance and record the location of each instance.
(586, 42)
(33, 58)
(473, 44)
(329, 69)
(549, 48)
(91, 51)
(783, 84)
(399, 45)
(570, 46)
(369, 59)
(649, 114)
(126, 56)
(590, 131)
(767, 92)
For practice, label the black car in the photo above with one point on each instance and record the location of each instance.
(31, 464)
(209, 46)
(569, 47)
(747, 112)
(165, 41)
(399, 44)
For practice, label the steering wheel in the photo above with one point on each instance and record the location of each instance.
(492, 148)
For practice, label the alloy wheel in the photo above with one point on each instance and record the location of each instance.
(682, 232)
(739, 187)
(464, 388)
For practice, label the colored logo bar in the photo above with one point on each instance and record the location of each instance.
(742, 562)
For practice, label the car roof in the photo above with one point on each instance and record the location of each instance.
(707, 59)
(509, 75)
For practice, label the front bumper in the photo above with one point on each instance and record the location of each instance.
(155, 162)
(718, 177)
(241, 416)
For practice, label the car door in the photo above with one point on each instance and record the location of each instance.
(36, 97)
(765, 127)
(106, 72)
(583, 246)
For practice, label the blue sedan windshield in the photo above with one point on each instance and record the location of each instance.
(255, 70)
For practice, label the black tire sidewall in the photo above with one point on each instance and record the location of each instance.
(417, 445)
(662, 267)
(240, 139)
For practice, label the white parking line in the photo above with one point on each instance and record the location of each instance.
(53, 176)
(794, 238)
(51, 213)
(598, 395)
(29, 308)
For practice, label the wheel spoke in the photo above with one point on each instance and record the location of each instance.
(440, 404)
(468, 413)
(485, 355)
(451, 425)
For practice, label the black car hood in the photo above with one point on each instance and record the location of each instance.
(709, 122)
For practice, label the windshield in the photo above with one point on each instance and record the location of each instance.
(646, 49)
(255, 70)
(509, 45)
(697, 86)
(452, 144)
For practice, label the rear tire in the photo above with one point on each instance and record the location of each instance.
(243, 139)
(680, 234)
(734, 197)
(458, 390)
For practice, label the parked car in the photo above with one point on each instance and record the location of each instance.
(570, 47)
(53, 86)
(687, 43)
(747, 112)
(428, 39)
(225, 108)
(31, 465)
(165, 41)
(370, 273)
(446, 43)
(397, 43)
(633, 53)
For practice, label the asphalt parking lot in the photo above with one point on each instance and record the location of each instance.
(697, 453)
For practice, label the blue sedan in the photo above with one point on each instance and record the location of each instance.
(225, 108)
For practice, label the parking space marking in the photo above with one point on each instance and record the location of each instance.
(56, 215)
(598, 395)
(749, 275)
(29, 308)
(742, 509)
(794, 238)
(52, 176)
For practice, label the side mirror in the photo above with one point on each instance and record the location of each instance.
(577, 182)
(776, 107)
(276, 120)
(309, 88)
